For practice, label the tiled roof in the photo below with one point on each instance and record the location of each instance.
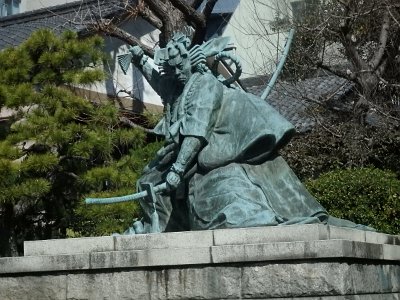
(294, 100)
(71, 16)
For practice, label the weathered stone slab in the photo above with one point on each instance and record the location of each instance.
(33, 287)
(295, 250)
(106, 260)
(48, 263)
(69, 246)
(308, 280)
(347, 297)
(342, 233)
(141, 285)
(368, 279)
(302, 279)
(193, 239)
(188, 239)
(391, 252)
(381, 238)
(204, 283)
(151, 257)
(260, 235)
(305, 279)
(364, 250)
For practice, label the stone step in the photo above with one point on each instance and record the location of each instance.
(209, 238)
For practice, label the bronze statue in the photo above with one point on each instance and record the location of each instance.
(220, 166)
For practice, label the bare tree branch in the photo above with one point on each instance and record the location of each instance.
(164, 11)
(146, 13)
(346, 37)
(128, 122)
(108, 28)
(191, 15)
(196, 3)
(383, 38)
(394, 14)
(202, 30)
(335, 72)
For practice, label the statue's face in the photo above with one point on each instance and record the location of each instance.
(178, 68)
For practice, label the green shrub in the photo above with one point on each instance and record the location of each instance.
(366, 196)
(347, 145)
(120, 178)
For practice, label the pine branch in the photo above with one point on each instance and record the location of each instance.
(128, 122)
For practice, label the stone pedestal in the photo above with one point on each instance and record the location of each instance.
(282, 262)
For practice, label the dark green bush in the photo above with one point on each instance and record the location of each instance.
(366, 196)
(351, 146)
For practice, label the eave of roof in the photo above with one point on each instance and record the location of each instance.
(70, 16)
(294, 100)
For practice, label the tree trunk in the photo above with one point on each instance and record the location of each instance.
(175, 22)
(368, 83)
(8, 236)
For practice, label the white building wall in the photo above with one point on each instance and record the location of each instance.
(258, 46)
(133, 81)
(28, 5)
(9, 7)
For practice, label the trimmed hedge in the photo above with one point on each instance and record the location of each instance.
(366, 196)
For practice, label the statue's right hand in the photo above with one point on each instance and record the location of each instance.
(173, 180)
(167, 149)
(136, 52)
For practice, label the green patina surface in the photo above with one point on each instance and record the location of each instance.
(220, 161)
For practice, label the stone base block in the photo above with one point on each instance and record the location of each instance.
(285, 262)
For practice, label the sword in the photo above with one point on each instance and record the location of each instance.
(149, 192)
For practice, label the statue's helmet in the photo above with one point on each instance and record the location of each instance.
(179, 51)
(175, 51)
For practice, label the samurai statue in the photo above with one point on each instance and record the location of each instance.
(220, 163)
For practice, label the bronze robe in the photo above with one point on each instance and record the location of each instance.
(238, 179)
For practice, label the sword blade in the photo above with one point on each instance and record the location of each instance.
(131, 197)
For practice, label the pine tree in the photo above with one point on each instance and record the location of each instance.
(58, 147)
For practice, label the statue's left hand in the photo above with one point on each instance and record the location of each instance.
(137, 54)
(136, 51)
(173, 180)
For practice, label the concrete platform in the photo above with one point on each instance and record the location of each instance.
(283, 262)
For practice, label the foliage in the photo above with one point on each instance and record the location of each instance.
(59, 147)
(98, 220)
(357, 40)
(306, 48)
(346, 145)
(366, 196)
(340, 164)
(152, 118)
